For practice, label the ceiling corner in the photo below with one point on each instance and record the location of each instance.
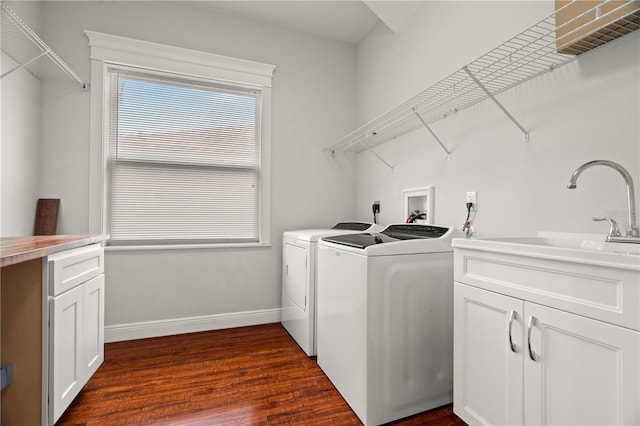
(394, 14)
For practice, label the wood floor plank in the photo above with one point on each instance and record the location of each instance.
(244, 376)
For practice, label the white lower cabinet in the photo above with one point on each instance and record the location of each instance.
(579, 371)
(65, 350)
(76, 324)
(518, 362)
(93, 343)
(488, 375)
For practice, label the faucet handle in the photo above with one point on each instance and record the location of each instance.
(614, 231)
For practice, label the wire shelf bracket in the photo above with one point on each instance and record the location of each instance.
(368, 148)
(23, 65)
(426, 125)
(19, 32)
(525, 133)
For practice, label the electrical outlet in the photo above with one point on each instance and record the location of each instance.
(376, 206)
(472, 197)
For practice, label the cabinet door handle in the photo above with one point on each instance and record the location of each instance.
(532, 322)
(512, 316)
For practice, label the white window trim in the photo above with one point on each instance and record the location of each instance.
(107, 49)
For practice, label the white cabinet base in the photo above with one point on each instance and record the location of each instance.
(586, 371)
(93, 324)
(76, 324)
(517, 362)
(65, 352)
(488, 375)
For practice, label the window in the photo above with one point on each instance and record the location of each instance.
(184, 161)
(183, 153)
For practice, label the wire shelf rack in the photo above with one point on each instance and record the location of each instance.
(527, 55)
(25, 47)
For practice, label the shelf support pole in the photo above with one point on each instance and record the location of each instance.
(525, 133)
(20, 66)
(376, 155)
(424, 123)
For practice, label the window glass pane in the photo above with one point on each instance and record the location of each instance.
(184, 162)
(169, 122)
(164, 203)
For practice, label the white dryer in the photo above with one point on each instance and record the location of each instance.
(385, 319)
(298, 315)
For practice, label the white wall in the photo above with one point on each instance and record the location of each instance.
(313, 102)
(586, 110)
(583, 111)
(20, 135)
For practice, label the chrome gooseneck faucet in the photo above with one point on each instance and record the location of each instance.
(633, 234)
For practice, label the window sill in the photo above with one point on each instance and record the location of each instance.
(208, 246)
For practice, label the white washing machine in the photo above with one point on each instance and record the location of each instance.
(299, 248)
(385, 319)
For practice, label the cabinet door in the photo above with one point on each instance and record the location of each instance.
(66, 364)
(585, 371)
(93, 324)
(488, 370)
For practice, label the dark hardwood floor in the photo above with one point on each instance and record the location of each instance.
(244, 376)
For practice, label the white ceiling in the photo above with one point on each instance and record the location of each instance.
(342, 20)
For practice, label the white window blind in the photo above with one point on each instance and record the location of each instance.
(183, 162)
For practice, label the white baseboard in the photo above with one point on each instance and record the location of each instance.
(141, 330)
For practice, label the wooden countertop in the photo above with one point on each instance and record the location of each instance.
(21, 249)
